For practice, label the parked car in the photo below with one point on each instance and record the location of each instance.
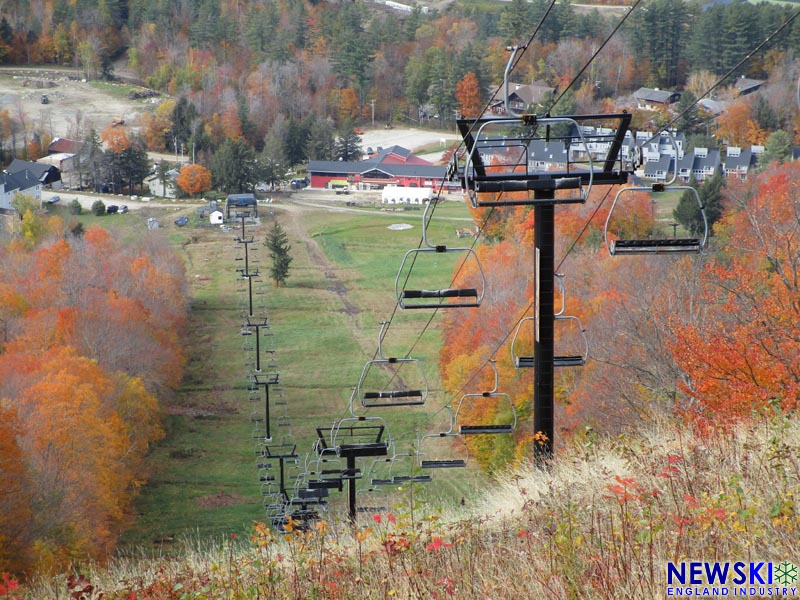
(123, 209)
(53, 199)
(181, 221)
(112, 209)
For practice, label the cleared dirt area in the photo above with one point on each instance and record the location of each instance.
(407, 137)
(72, 104)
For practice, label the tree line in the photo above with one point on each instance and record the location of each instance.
(290, 79)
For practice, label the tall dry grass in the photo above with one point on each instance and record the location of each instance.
(602, 522)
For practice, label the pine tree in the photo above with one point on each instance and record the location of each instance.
(687, 213)
(348, 143)
(278, 244)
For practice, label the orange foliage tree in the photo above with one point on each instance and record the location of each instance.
(745, 357)
(738, 126)
(93, 333)
(469, 96)
(116, 138)
(194, 179)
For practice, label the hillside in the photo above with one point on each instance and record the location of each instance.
(609, 520)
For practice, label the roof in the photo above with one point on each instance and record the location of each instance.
(663, 164)
(412, 166)
(715, 107)
(697, 160)
(552, 151)
(657, 96)
(747, 86)
(55, 159)
(532, 93)
(241, 199)
(42, 172)
(19, 181)
(739, 159)
(64, 145)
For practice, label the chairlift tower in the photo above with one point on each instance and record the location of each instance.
(499, 170)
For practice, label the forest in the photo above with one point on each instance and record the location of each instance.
(91, 346)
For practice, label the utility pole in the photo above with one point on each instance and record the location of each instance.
(373, 111)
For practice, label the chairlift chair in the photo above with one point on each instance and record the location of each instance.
(501, 400)
(464, 297)
(526, 361)
(392, 476)
(443, 449)
(359, 436)
(507, 154)
(521, 361)
(573, 360)
(503, 157)
(659, 243)
(371, 492)
(578, 359)
(383, 381)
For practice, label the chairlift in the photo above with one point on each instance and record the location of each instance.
(522, 361)
(573, 360)
(443, 449)
(577, 359)
(373, 493)
(504, 156)
(464, 297)
(383, 381)
(658, 240)
(540, 155)
(406, 475)
(501, 401)
(359, 436)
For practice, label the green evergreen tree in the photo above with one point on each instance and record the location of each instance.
(294, 143)
(690, 121)
(348, 143)
(321, 139)
(778, 147)
(183, 124)
(516, 21)
(234, 168)
(277, 243)
(688, 214)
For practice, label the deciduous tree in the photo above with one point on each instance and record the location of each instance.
(194, 179)
(469, 96)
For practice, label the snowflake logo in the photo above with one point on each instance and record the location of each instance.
(786, 573)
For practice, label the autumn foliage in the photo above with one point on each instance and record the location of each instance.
(194, 179)
(91, 339)
(744, 357)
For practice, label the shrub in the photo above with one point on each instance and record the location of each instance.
(98, 208)
(75, 207)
